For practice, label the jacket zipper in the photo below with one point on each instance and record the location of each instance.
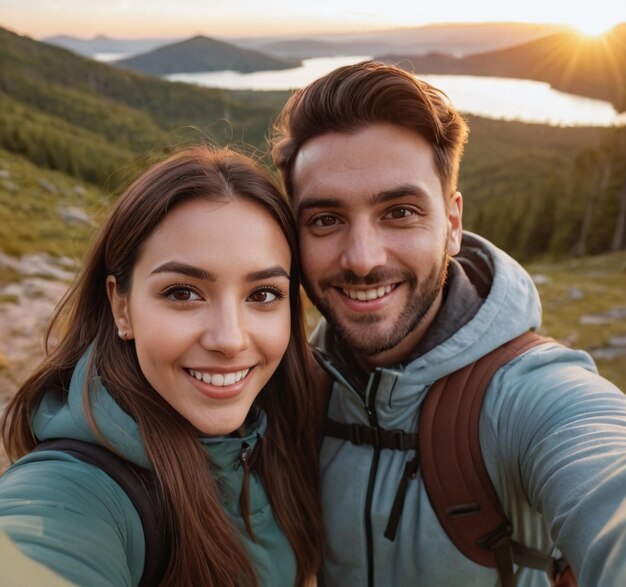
(370, 407)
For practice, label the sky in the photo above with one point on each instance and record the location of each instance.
(258, 18)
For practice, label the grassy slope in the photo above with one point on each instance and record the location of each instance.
(602, 282)
(32, 201)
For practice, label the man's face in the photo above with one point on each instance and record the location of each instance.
(375, 236)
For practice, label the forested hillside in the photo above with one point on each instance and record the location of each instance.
(93, 121)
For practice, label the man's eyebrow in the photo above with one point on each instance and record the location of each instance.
(401, 191)
(184, 269)
(398, 192)
(314, 202)
(276, 271)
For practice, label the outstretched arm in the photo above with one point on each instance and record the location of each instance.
(72, 518)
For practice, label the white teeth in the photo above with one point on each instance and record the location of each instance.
(368, 294)
(219, 379)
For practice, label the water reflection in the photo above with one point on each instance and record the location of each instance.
(492, 97)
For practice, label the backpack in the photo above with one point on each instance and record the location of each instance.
(447, 450)
(141, 487)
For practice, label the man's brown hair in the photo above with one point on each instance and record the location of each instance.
(355, 96)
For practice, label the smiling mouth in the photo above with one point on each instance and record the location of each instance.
(219, 379)
(368, 295)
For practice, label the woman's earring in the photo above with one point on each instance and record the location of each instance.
(121, 334)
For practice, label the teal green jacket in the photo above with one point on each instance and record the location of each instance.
(76, 520)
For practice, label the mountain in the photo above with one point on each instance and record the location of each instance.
(454, 39)
(308, 48)
(203, 54)
(104, 44)
(592, 67)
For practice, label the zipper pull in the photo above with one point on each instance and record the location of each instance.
(244, 496)
(244, 456)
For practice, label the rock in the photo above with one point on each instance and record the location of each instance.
(40, 264)
(616, 313)
(80, 190)
(575, 293)
(48, 186)
(615, 349)
(9, 185)
(540, 279)
(609, 353)
(75, 215)
(603, 318)
(4, 174)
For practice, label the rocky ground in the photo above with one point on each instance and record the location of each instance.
(25, 310)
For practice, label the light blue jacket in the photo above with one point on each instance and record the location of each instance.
(73, 518)
(553, 435)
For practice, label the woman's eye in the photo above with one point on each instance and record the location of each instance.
(181, 294)
(265, 296)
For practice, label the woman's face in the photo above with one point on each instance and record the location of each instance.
(208, 309)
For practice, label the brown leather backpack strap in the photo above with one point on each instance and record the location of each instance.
(454, 473)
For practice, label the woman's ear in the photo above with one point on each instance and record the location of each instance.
(119, 308)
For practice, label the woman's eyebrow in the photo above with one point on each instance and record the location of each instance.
(197, 273)
(184, 269)
(276, 271)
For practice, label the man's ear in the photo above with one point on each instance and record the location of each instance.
(455, 223)
(119, 308)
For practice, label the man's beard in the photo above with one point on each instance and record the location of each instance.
(424, 294)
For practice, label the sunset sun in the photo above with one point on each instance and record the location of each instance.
(593, 26)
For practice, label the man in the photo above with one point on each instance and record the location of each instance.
(370, 157)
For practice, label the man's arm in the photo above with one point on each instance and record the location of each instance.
(559, 431)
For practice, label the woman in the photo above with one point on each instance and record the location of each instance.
(183, 350)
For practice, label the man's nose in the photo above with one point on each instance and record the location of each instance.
(225, 329)
(364, 250)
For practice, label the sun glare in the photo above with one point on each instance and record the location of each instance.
(593, 27)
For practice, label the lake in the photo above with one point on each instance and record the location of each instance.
(492, 97)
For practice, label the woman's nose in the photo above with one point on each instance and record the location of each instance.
(225, 330)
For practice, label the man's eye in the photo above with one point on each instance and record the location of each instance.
(325, 220)
(400, 213)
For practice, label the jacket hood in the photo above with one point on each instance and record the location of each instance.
(510, 308)
(57, 417)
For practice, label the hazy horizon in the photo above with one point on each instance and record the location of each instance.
(142, 19)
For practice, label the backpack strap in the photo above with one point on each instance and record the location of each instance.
(142, 490)
(454, 472)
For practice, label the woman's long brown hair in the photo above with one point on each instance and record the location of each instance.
(206, 549)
